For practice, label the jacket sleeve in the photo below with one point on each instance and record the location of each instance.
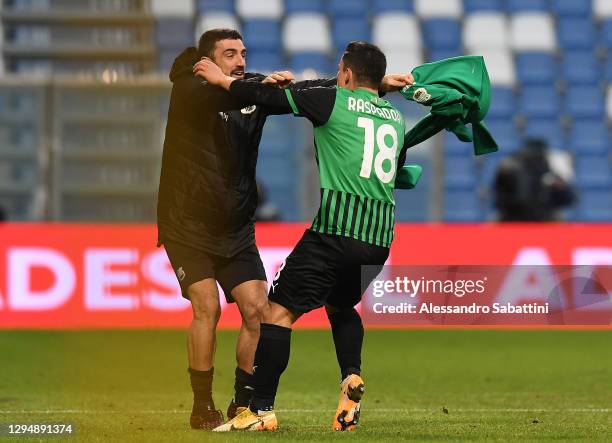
(316, 103)
(327, 82)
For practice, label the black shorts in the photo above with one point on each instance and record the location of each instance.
(193, 265)
(326, 269)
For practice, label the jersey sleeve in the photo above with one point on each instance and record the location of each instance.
(316, 104)
(324, 82)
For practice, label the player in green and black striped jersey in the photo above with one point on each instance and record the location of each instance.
(358, 139)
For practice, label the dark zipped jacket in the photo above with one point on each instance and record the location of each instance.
(207, 191)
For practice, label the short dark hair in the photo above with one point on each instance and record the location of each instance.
(208, 40)
(367, 62)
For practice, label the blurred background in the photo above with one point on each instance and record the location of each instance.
(84, 94)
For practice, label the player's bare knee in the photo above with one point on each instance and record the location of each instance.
(206, 312)
(279, 315)
(252, 302)
(253, 312)
(204, 303)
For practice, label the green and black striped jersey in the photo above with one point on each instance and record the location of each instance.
(357, 151)
(353, 215)
(358, 139)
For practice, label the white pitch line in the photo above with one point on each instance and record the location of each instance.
(369, 410)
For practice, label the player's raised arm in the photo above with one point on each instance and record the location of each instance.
(316, 103)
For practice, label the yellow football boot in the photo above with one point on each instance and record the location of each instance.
(346, 417)
(248, 421)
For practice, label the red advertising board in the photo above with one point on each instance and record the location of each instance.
(112, 276)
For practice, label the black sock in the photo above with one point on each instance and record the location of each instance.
(243, 387)
(347, 330)
(271, 360)
(201, 384)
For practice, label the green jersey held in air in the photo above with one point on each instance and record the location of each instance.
(358, 139)
(357, 155)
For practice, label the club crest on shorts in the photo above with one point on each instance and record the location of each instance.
(180, 274)
(421, 95)
(248, 110)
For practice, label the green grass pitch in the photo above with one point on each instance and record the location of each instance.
(421, 385)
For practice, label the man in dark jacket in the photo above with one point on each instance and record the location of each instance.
(206, 210)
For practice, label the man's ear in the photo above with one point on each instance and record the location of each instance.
(349, 76)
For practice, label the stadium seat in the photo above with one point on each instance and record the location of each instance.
(307, 32)
(346, 29)
(549, 130)
(205, 6)
(460, 172)
(515, 6)
(535, 68)
(215, 20)
(286, 200)
(584, 102)
(433, 55)
(502, 103)
(500, 66)
(455, 147)
(471, 6)
(348, 8)
(276, 169)
(595, 205)
(265, 62)
(278, 136)
(485, 30)
(415, 206)
(262, 34)
(506, 134)
(589, 137)
(247, 9)
(411, 37)
(462, 206)
(593, 171)
(606, 33)
(539, 102)
(302, 62)
(572, 8)
(532, 32)
(576, 33)
(580, 68)
(400, 61)
(175, 8)
(438, 8)
(442, 33)
(293, 6)
(602, 8)
(174, 33)
(165, 59)
(381, 6)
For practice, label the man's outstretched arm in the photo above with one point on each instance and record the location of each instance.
(316, 103)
